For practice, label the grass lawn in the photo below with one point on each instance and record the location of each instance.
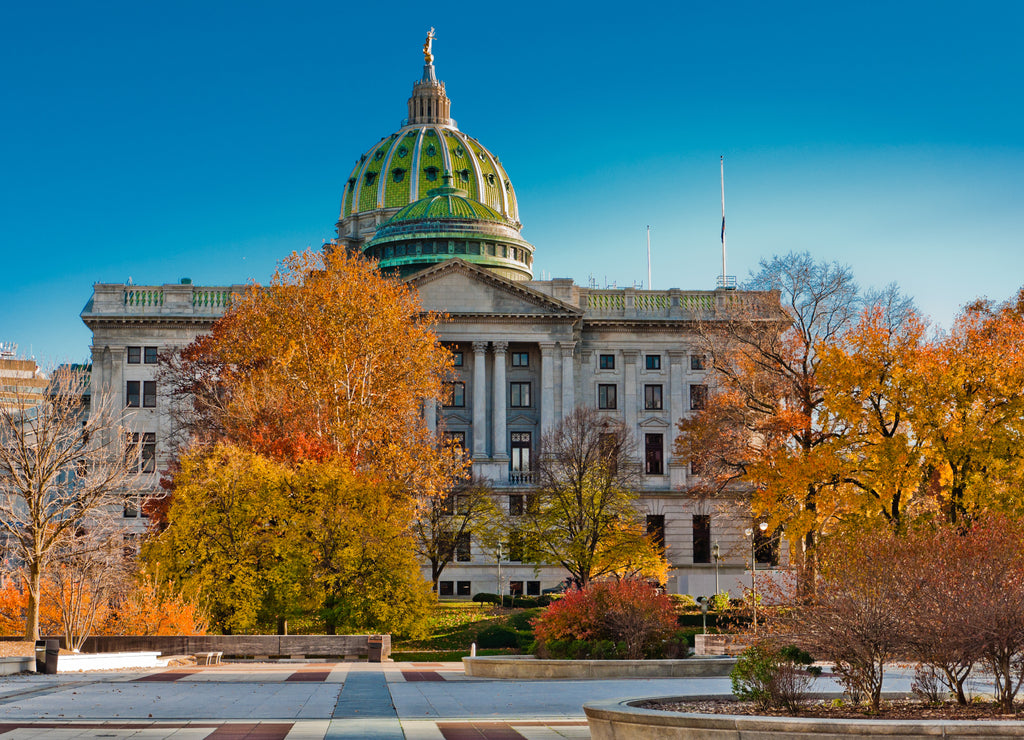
(453, 626)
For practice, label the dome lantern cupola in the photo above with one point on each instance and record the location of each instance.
(428, 103)
(404, 167)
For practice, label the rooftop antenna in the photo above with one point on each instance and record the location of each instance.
(726, 281)
(649, 285)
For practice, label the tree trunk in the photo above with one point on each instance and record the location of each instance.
(32, 611)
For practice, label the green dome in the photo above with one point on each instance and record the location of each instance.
(401, 168)
(446, 203)
(447, 223)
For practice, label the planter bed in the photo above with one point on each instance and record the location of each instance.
(618, 720)
(529, 667)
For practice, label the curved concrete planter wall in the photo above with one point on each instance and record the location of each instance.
(617, 720)
(527, 666)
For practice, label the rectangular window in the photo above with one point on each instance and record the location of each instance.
(515, 504)
(520, 359)
(445, 588)
(520, 452)
(134, 355)
(653, 362)
(149, 394)
(766, 547)
(701, 538)
(147, 453)
(656, 529)
(696, 362)
(454, 395)
(520, 396)
(462, 548)
(130, 508)
(606, 396)
(515, 588)
(698, 396)
(696, 468)
(456, 440)
(652, 397)
(606, 362)
(654, 454)
(150, 356)
(533, 588)
(456, 359)
(463, 588)
(134, 397)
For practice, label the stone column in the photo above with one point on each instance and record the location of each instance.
(499, 446)
(676, 467)
(547, 387)
(629, 391)
(568, 379)
(479, 400)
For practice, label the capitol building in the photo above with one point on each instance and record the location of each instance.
(435, 205)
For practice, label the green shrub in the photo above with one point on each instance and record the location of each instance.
(683, 601)
(486, 598)
(773, 677)
(720, 601)
(522, 620)
(497, 636)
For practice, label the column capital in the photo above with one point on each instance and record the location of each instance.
(546, 348)
(499, 347)
(567, 349)
(630, 355)
(676, 355)
(480, 347)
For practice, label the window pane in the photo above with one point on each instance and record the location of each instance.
(134, 355)
(696, 362)
(464, 588)
(656, 528)
(149, 394)
(454, 395)
(133, 398)
(533, 588)
(606, 362)
(457, 359)
(445, 588)
(653, 454)
(701, 538)
(653, 362)
(520, 395)
(698, 397)
(462, 550)
(520, 359)
(652, 397)
(150, 355)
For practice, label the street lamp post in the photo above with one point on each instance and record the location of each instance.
(716, 553)
(749, 531)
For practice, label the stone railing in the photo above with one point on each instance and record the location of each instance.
(521, 478)
(674, 304)
(181, 300)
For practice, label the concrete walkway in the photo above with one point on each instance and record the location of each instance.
(315, 701)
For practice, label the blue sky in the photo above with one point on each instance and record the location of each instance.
(208, 140)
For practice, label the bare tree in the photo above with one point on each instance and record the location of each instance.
(88, 572)
(584, 516)
(62, 461)
(445, 522)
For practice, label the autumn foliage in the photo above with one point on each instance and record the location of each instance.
(628, 615)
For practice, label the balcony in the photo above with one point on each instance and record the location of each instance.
(521, 477)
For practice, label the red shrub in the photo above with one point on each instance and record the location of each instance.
(627, 611)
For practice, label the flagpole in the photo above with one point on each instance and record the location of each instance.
(649, 286)
(722, 162)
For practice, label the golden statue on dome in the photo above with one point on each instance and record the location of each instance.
(428, 57)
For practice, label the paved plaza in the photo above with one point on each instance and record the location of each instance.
(314, 701)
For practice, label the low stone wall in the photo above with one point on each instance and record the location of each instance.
(241, 646)
(529, 667)
(615, 720)
(16, 665)
(107, 661)
(720, 644)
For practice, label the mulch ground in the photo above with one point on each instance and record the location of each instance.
(899, 709)
(22, 649)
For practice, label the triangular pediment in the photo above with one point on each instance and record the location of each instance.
(654, 422)
(456, 287)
